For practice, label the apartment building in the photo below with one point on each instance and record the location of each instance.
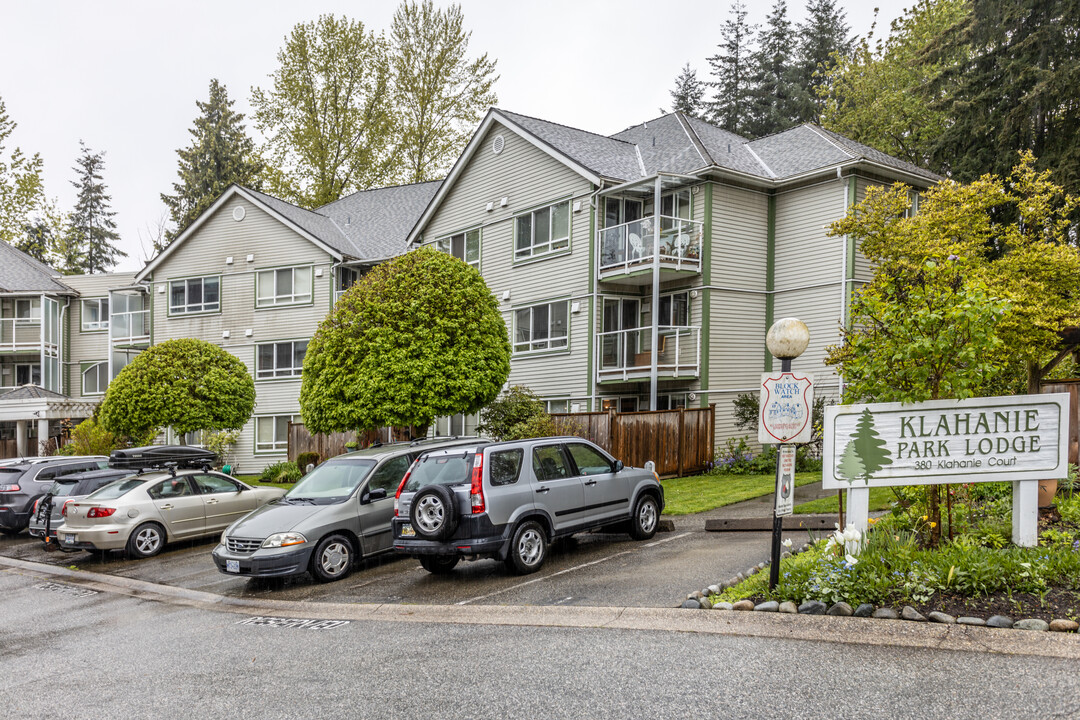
(634, 271)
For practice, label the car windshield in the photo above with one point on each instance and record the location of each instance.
(109, 492)
(332, 482)
(440, 470)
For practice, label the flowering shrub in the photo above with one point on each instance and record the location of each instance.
(738, 458)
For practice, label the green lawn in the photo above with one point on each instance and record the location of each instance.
(705, 492)
(254, 480)
(880, 497)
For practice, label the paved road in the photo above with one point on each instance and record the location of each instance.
(69, 654)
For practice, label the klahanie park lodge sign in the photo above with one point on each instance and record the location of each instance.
(1020, 439)
(1023, 437)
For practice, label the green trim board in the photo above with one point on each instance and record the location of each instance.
(849, 271)
(770, 275)
(590, 387)
(706, 295)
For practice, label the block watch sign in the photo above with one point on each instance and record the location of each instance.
(787, 399)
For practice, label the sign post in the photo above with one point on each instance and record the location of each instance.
(1021, 439)
(786, 404)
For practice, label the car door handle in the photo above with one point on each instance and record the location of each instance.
(590, 482)
(166, 506)
(212, 501)
(542, 490)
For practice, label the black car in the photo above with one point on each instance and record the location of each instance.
(48, 510)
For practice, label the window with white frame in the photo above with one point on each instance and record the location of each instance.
(194, 295)
(674, 309)
(95, 378)
(558, 406)
(671, 401)
(464, 246)
(28, 373)
(195, 437)
(280, 360)
(95, 314)
(542, 231)
(283, 286)
(272, 433)
(27, 311)
(541, 327)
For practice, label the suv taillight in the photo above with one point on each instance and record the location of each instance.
(36, 503)
(11, 487)
(100, 512)
(401, 485)
(476, 492)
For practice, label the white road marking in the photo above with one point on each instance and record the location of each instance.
(567, 570)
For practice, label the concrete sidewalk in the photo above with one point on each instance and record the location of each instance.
(759, 507)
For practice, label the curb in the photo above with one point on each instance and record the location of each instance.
(763, 625)
(757, 524)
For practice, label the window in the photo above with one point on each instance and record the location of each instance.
(347, 277)
(541, 327)
(95, 378)
(27, 311)
(619, 404)
(195, 438)
(557, 406)
(589, 461)
(277, 360)
(272, 433)
(673, 401)
(542, 231)
(389, 474)
(464, 246)
(505, 466)
(171, 488)
(674, 310)
(95, 314)
(453, 425)
(28, 374)
(549, 463)
(209, 484)
(285, 286)
(676, 204)
(618, 211)
(194, 295)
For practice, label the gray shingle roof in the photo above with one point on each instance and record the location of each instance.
(32, 392)
(21, 273)
(664, 144)
(605, 156)
(371, 224)
(877, 156)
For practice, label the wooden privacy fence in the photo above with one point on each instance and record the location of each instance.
(680, 442)
(327, 445)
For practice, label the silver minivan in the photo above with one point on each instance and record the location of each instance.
(510, 500)
(337, 514)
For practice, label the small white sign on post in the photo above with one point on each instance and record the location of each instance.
(1022, 439)
(787, 400)
(785, 481)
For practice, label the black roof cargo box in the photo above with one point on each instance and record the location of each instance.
(161, 456)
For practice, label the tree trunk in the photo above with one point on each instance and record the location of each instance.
(1034, 377)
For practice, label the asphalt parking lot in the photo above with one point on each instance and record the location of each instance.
(598, 569)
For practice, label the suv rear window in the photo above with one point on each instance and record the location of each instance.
(62, 489)
(440, 470)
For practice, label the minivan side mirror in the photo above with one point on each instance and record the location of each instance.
(371, 495)
(619, 466)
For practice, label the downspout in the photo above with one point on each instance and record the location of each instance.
(594, 309)
(655, 352)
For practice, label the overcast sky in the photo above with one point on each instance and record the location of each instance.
(124, 76)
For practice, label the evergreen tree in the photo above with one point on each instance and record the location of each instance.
(92, 230)
(22, 188)
(774, 88)
(850, 467)
(688, 97)
(221, 153)
(37, 241)
(730, 106)
(1018, 91)
(824, 33)
(869, 446)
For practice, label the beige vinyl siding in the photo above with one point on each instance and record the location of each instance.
(864, 271)
(85, 347)
(740, 238)
(529, 179)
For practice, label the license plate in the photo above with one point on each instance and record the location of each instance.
(69, 538)
(232, 566)
(407, 531)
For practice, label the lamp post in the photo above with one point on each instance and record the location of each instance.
(787, 339)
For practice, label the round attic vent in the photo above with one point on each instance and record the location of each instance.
(238, 213)
(497, 144)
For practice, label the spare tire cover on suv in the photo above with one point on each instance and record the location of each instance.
(434, 512)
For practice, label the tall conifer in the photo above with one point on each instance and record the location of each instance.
(824, 32)
(91, 228)
(730, 105)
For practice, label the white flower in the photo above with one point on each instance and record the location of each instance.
(787, 543)
(852, 560)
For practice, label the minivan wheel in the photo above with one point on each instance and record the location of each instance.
(439, 564)
(433, 512)
(528, 548)
(332, 559)
(646, 517)
(145, 541)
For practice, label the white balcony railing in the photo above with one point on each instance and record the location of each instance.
(127, 328)
(20, 335)
(626, 247)
(627, 354)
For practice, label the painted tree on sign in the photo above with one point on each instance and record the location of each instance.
(870, 447)
(851, 466)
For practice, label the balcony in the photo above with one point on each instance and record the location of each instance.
(129, 328)
(626, 355)
(626, 251)
(20, 335)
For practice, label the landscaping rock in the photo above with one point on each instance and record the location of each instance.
(999, 621)
(885, 614)
(788, 607)
(691, 604)
(770, 606)
(970, 621)
(784, 555)
(840, 609)
(714, 589)
(739, 577)
(743, 605)
(705, 592)
(1059, 625)
(940, 617)
(864, 610)
(761, 565)
(1031, 624)
(696, 595)
(751, 571)
(910, 613)
(812, 607)
(706, 604)
(722, 606)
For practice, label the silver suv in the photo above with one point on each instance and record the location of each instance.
(510, 500)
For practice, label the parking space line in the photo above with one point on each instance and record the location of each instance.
(567, 570)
